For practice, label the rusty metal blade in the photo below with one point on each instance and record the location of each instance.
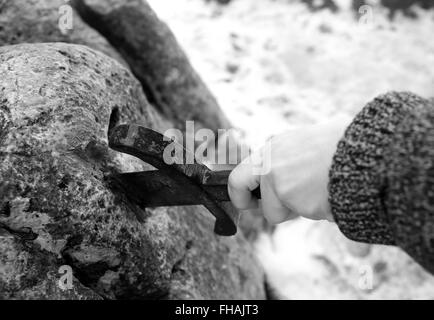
(149, 146)
(179, 183)
(156, 189)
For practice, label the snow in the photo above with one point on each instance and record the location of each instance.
(274, 65)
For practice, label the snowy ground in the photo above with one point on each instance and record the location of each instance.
(274, 65)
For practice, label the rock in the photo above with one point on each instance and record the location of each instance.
(220, 1)
(32, 21)
(156, 59)
(395, 6)
(57, 103)
(315, 5)
(21, 267)
(399, 5)
(406, 4)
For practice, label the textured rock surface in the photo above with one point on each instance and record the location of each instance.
(156, 59)
(25, 273)
(57, 102)
(38, 21)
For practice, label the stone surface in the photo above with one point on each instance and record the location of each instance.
(30, 21)
(155, 57)
(57, 103)
(25, 273)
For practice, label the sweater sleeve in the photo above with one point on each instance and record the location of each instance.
(382, 177)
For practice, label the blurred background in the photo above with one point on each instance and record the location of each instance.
(278, 64)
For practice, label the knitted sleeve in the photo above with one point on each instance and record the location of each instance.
(382, 177)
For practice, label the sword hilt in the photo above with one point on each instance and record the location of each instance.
(149, 146)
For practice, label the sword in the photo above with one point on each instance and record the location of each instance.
(175, 184)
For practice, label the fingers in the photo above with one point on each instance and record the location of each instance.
(273, 209)
(242, 181)
(246, 177)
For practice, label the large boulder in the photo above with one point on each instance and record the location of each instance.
(156, 59)
(34, 21)
(150, 49)
(57, 103)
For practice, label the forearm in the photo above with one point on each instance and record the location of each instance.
(382, 177)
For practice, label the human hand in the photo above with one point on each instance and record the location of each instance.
(295, 173)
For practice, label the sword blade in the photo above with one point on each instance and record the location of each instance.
(156, 189)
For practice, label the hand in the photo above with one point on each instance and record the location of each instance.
(295, 172)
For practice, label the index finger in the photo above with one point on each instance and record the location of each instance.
(242, 181)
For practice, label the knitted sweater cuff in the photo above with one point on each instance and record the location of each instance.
(358, 177)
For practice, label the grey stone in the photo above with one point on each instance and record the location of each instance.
(33, 21)
(156, 59)
(57, 102)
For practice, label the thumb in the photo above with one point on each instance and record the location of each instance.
(242, 181)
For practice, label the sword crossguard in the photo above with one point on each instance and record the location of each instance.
(149, 145)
